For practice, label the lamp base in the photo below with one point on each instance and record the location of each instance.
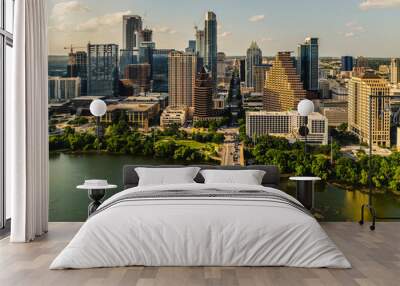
(373, 214)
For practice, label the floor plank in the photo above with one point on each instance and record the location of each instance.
(375, 257)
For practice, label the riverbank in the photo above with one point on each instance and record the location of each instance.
(69, 204)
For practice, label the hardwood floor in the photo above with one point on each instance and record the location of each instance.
(375, 257)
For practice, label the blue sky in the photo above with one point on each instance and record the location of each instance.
(354, 27)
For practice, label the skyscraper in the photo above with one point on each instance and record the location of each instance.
(182, 69)
(191, 48)
(103, 70)
(259, 76)
(146, 52)
(221, 57)
(159, 69)
(127, 57)
(132, 28)
(242, 70)
(200, 42)
(283, 88)
(140, 75)
(347, 63)
(146, 35)
(77, 67)
(253, 58)
(210, 32)
(395, 71)
(360, 89)
(308, 63)
(202, 99)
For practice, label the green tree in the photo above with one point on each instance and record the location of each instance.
(320, 167)
(165, 149)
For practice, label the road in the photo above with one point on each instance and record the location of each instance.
(231, 150)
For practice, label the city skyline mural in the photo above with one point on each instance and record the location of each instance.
(345, 27)
(221, 84)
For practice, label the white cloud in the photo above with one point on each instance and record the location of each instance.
(256, 18)
(62, 9)
(354, 26)
(101, 22)
(164, 29)
(349, 34)
(266, 39)
(60, 27)
(372, 4)
(225, 34)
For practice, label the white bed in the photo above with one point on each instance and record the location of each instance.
(200, 231)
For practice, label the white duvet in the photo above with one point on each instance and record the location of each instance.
(200, 232)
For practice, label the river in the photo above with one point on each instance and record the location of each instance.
(69, 204)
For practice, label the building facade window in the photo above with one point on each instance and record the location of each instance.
(6, 44)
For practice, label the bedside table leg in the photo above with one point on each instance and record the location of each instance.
(305, 193)
(96, 196)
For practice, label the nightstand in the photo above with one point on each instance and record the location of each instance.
(305, 190)
(96, 191)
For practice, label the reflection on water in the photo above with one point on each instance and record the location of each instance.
(69, 204)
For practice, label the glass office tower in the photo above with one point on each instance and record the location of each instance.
(103, 70)
(160, 70)
(132, 29)
(347, 63)
(308, 63)
(210, 31)
(127, 57)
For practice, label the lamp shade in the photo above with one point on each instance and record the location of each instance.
(305, 107)
(98, 107)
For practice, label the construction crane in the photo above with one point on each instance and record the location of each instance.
(72, 59)
(72, 48)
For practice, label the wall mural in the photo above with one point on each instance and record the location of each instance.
(198, 89)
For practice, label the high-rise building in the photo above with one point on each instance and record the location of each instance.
(253, 58)
(259, 76)
(221, 57)
(81, 70)
(140, 75)
(324, 89)
(127, 57)
(347, 63)
(395, 71)
(102, 70)
(283, 88)
(308, 63)
(242, 70)
(146, 52)
(200, 43)
(360, 89)
(77, 67)
(146, 35)
(191, 48)
(182, 68)
(159, 69)
(286, 124)
(132, 29)
(64, 88)
(210, 33)
(202, 98)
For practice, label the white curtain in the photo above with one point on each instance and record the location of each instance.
(27, 121)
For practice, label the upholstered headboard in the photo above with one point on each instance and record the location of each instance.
(271, 178)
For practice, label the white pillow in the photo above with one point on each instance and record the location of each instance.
(166, 176)
(246, 177)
